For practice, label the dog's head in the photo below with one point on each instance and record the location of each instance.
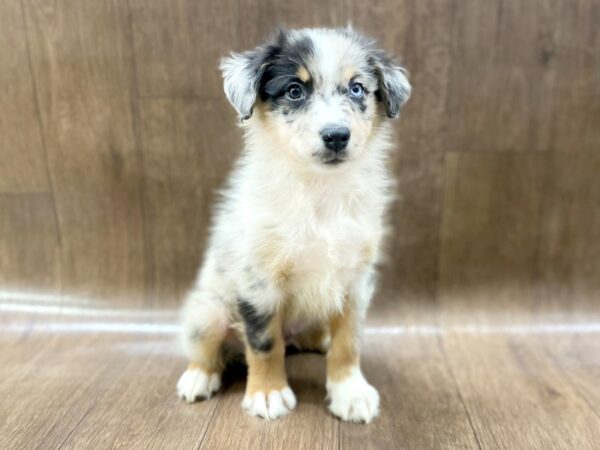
(319, 94)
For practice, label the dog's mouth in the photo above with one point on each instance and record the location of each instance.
(334, 159)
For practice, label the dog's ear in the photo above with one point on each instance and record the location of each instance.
(393, 88)
(242, 73)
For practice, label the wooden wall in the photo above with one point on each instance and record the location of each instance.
(114, 133)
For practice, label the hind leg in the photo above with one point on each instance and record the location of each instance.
(205, 325)
(315, 339)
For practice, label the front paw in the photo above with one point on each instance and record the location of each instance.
(353, 399)
(196, 384)
(275, 404)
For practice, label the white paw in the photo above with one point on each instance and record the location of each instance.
(353, 399)
(196, 384)
(276, 404)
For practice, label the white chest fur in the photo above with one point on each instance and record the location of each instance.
(307, 238)
(317, 244)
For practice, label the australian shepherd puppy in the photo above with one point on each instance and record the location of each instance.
(297, 234)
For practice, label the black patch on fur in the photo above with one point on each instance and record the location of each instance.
(195, 335)
(283, 60)
(360, 102)
(280, 58)
(255, 325)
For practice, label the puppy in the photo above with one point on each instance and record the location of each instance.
(297, 234)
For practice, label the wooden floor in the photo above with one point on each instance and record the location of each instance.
(75, 374)
(115, 133)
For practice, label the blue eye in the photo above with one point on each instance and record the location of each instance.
(295, 92)
(356, 90)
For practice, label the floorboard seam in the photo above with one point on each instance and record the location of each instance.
(208, 423)
(458, 391)
(570, 382)
(136, 118)
(42, 132)
(64, 441)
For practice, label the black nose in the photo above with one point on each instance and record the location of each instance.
(335, 138)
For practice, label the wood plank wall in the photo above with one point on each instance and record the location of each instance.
(114, 133)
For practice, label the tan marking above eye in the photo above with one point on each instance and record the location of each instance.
(303, 74)
(349, 73)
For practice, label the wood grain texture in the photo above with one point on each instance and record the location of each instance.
(155, 416)
(260, 18)
(22, 154)
(91, 397)
(575, 91)
(569, 257)
(516, 395)
(184, 165)
(115, 133)
(490, 228)
(488, 289)
(82, 64)
(578, 361)
(522, 76)
(178, 46)
(412, 248)
(29, 243)
(73, 382)
(94, 64)
(420, 406)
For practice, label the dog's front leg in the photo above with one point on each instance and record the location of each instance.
(350, 396)
(267, 392)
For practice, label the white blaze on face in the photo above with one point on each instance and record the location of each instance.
(337, 59)
(329, 111)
